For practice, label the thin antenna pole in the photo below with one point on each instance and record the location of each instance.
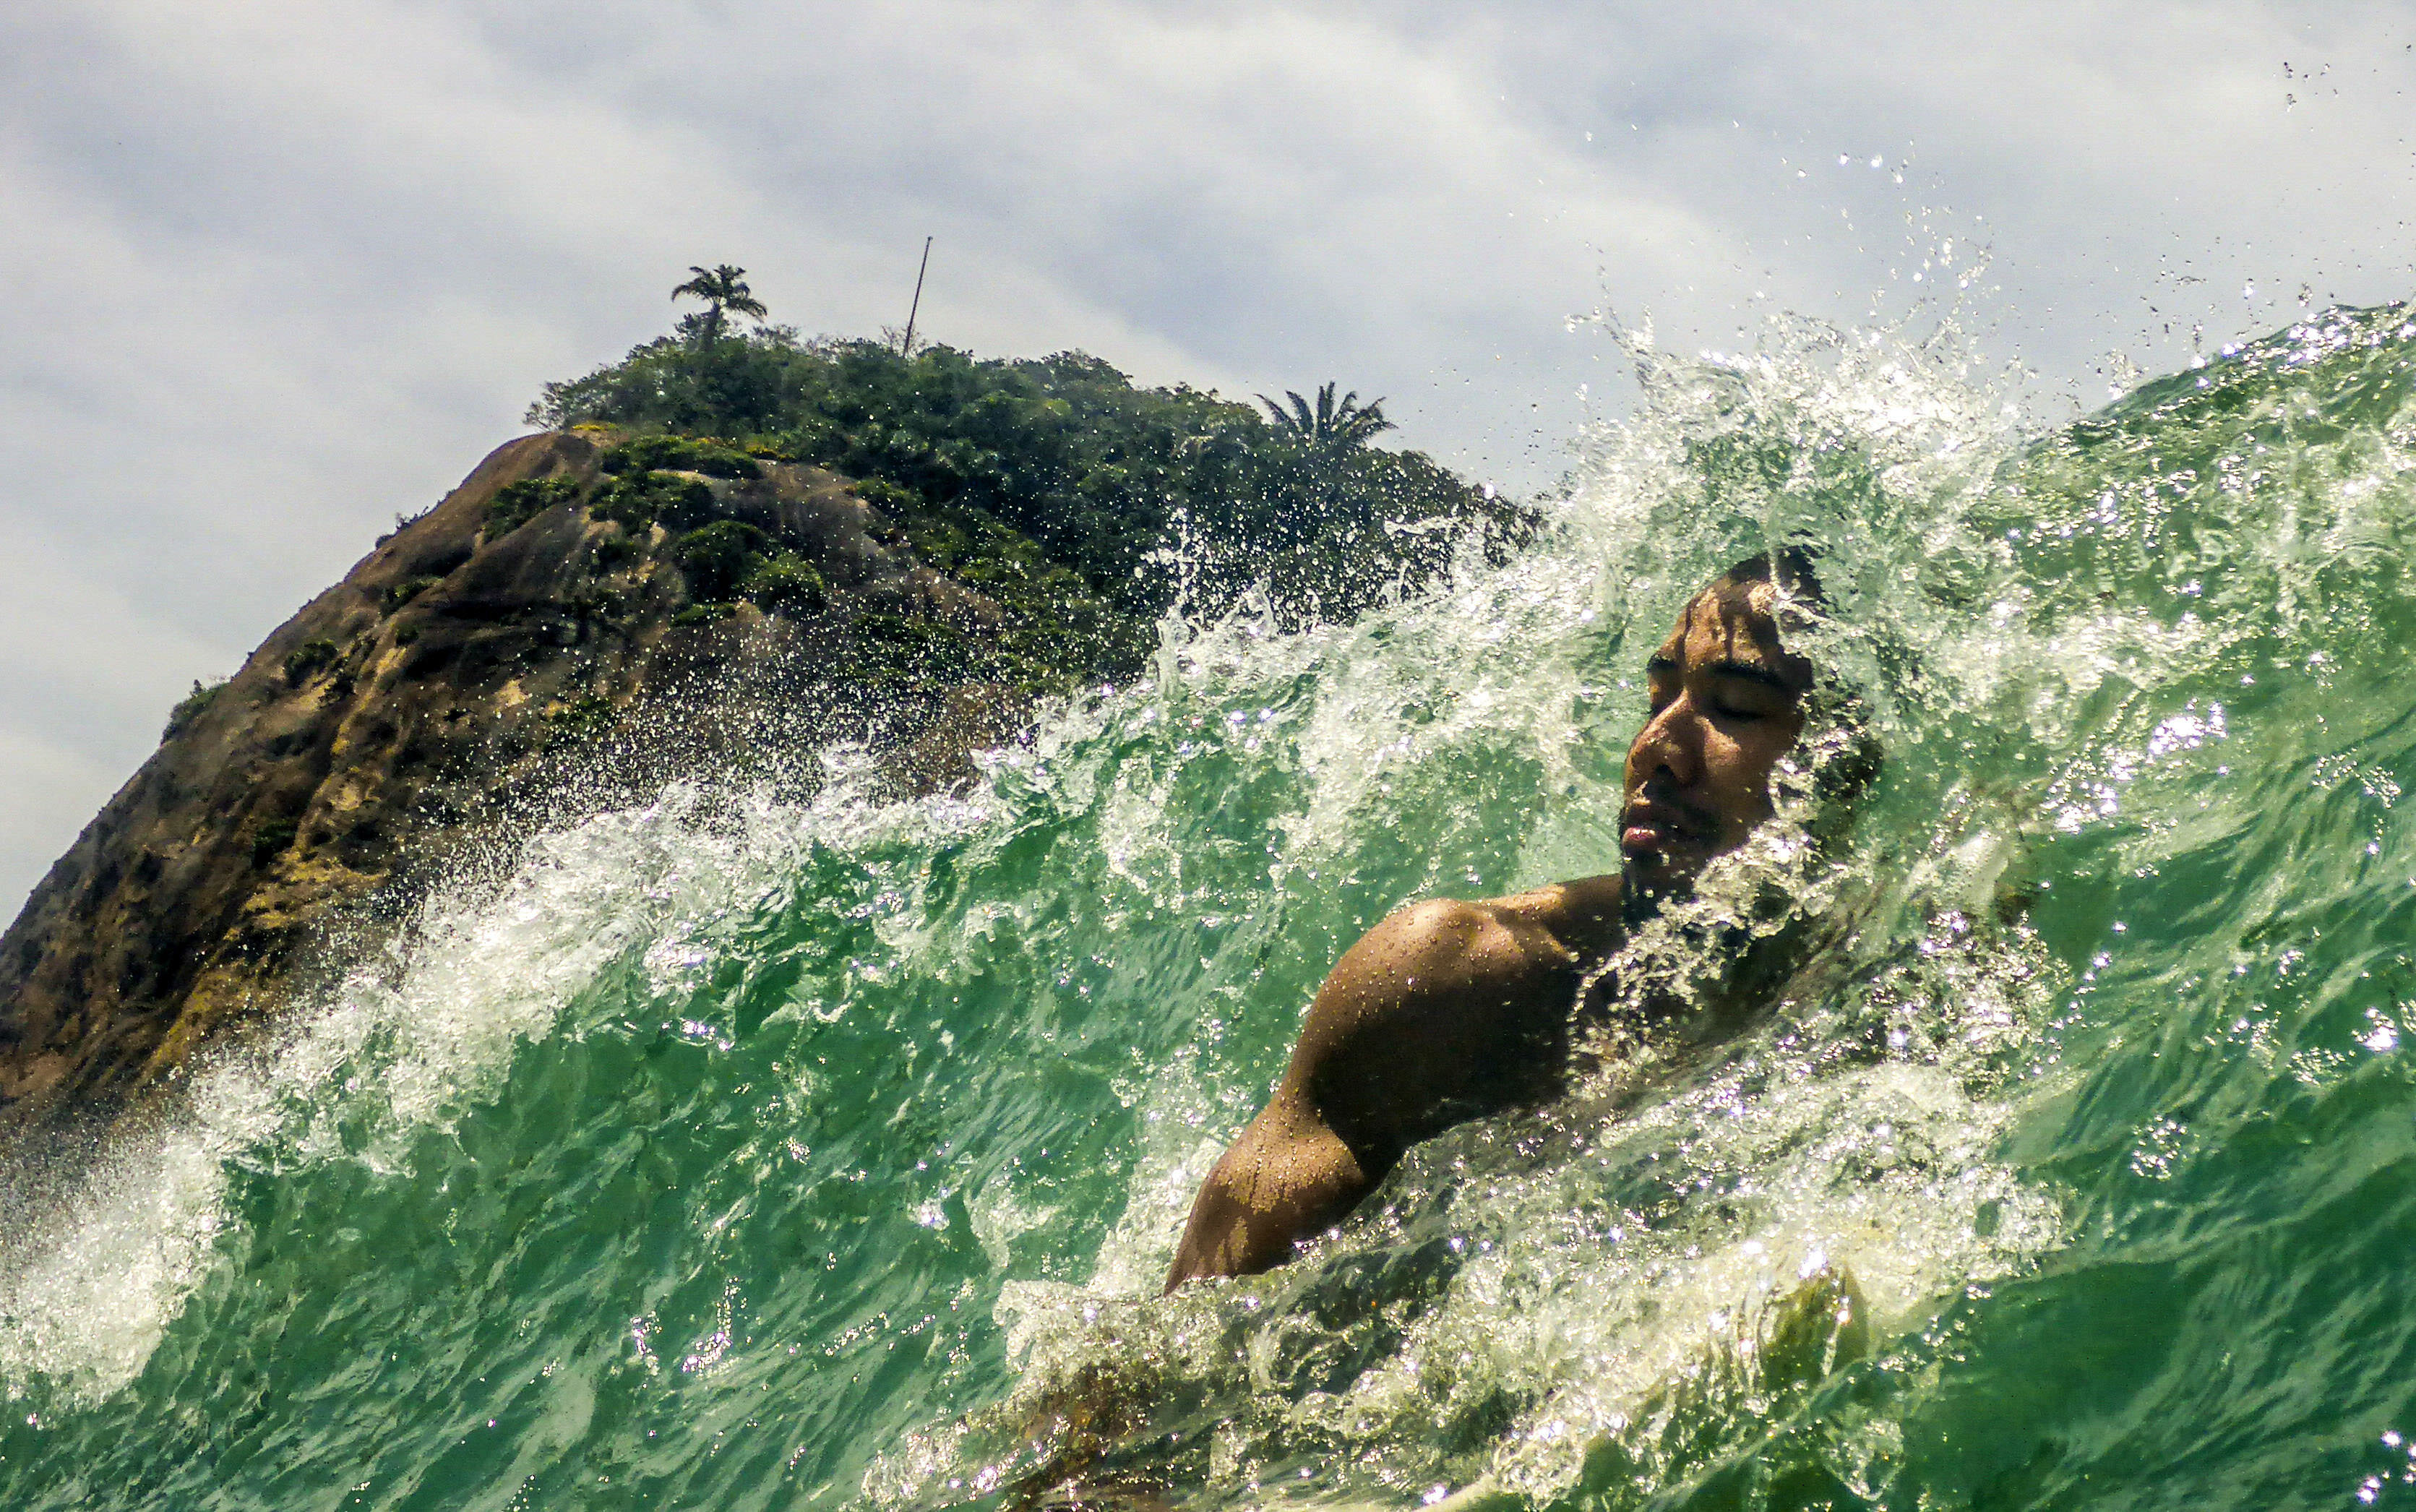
(906, 347)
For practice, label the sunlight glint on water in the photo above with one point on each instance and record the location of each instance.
(746, 1151)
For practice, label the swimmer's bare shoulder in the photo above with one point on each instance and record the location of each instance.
(1444, 1011)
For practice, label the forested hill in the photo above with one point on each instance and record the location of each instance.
(1105, 477)
(724, 551)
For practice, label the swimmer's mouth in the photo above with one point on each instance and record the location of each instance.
(1652, 825)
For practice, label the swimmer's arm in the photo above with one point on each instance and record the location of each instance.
(1425, 1023)
(1288, 1176)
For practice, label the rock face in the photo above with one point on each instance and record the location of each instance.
(500, 660)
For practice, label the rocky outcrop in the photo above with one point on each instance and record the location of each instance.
(507, 658)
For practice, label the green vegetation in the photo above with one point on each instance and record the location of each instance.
(399, 594)
(1104, 477)
(716, 557)
(1076, 501)
(591, 608)
(1330, 427)
(309, 659)
(1052, 618)
(722, 288)
(516, 504)
(189, 707)
(785, 583)
(679, 454)
(638, 501)
(903, 648)
(272, 839)
(580, 721)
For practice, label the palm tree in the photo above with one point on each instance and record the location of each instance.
(721, 287)
(1330, 427)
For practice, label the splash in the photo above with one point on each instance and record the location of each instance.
(747, 1149)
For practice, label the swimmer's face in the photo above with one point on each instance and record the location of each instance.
(1727, 704)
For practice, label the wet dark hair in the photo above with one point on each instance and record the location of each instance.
(1790, 567)
(1849, 772)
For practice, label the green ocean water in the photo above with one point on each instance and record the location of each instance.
(759, 1150)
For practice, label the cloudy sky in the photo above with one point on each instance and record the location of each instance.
(279, 270)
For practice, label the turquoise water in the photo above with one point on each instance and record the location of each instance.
(756, 1151)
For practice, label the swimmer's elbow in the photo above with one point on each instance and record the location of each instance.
(1287, 1179)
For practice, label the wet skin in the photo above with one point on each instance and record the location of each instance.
(1448, 1010)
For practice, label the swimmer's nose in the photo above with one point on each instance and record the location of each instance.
(1667, 744)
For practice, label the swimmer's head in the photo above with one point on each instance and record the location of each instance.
(1729, 703)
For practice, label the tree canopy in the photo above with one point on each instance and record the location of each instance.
(1330, 427)
(723, 288)
(1143, 492)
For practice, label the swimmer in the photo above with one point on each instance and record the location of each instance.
(1450, 1010)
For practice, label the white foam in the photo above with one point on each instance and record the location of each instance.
(105, 1262)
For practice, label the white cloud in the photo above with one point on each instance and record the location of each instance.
(281, 270)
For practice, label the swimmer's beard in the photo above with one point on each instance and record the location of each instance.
(1686, 950)
(1641, 904)
(1642, 900)
(1638, 903)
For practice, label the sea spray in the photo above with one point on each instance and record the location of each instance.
(1519, 1288)
(752, 1150)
